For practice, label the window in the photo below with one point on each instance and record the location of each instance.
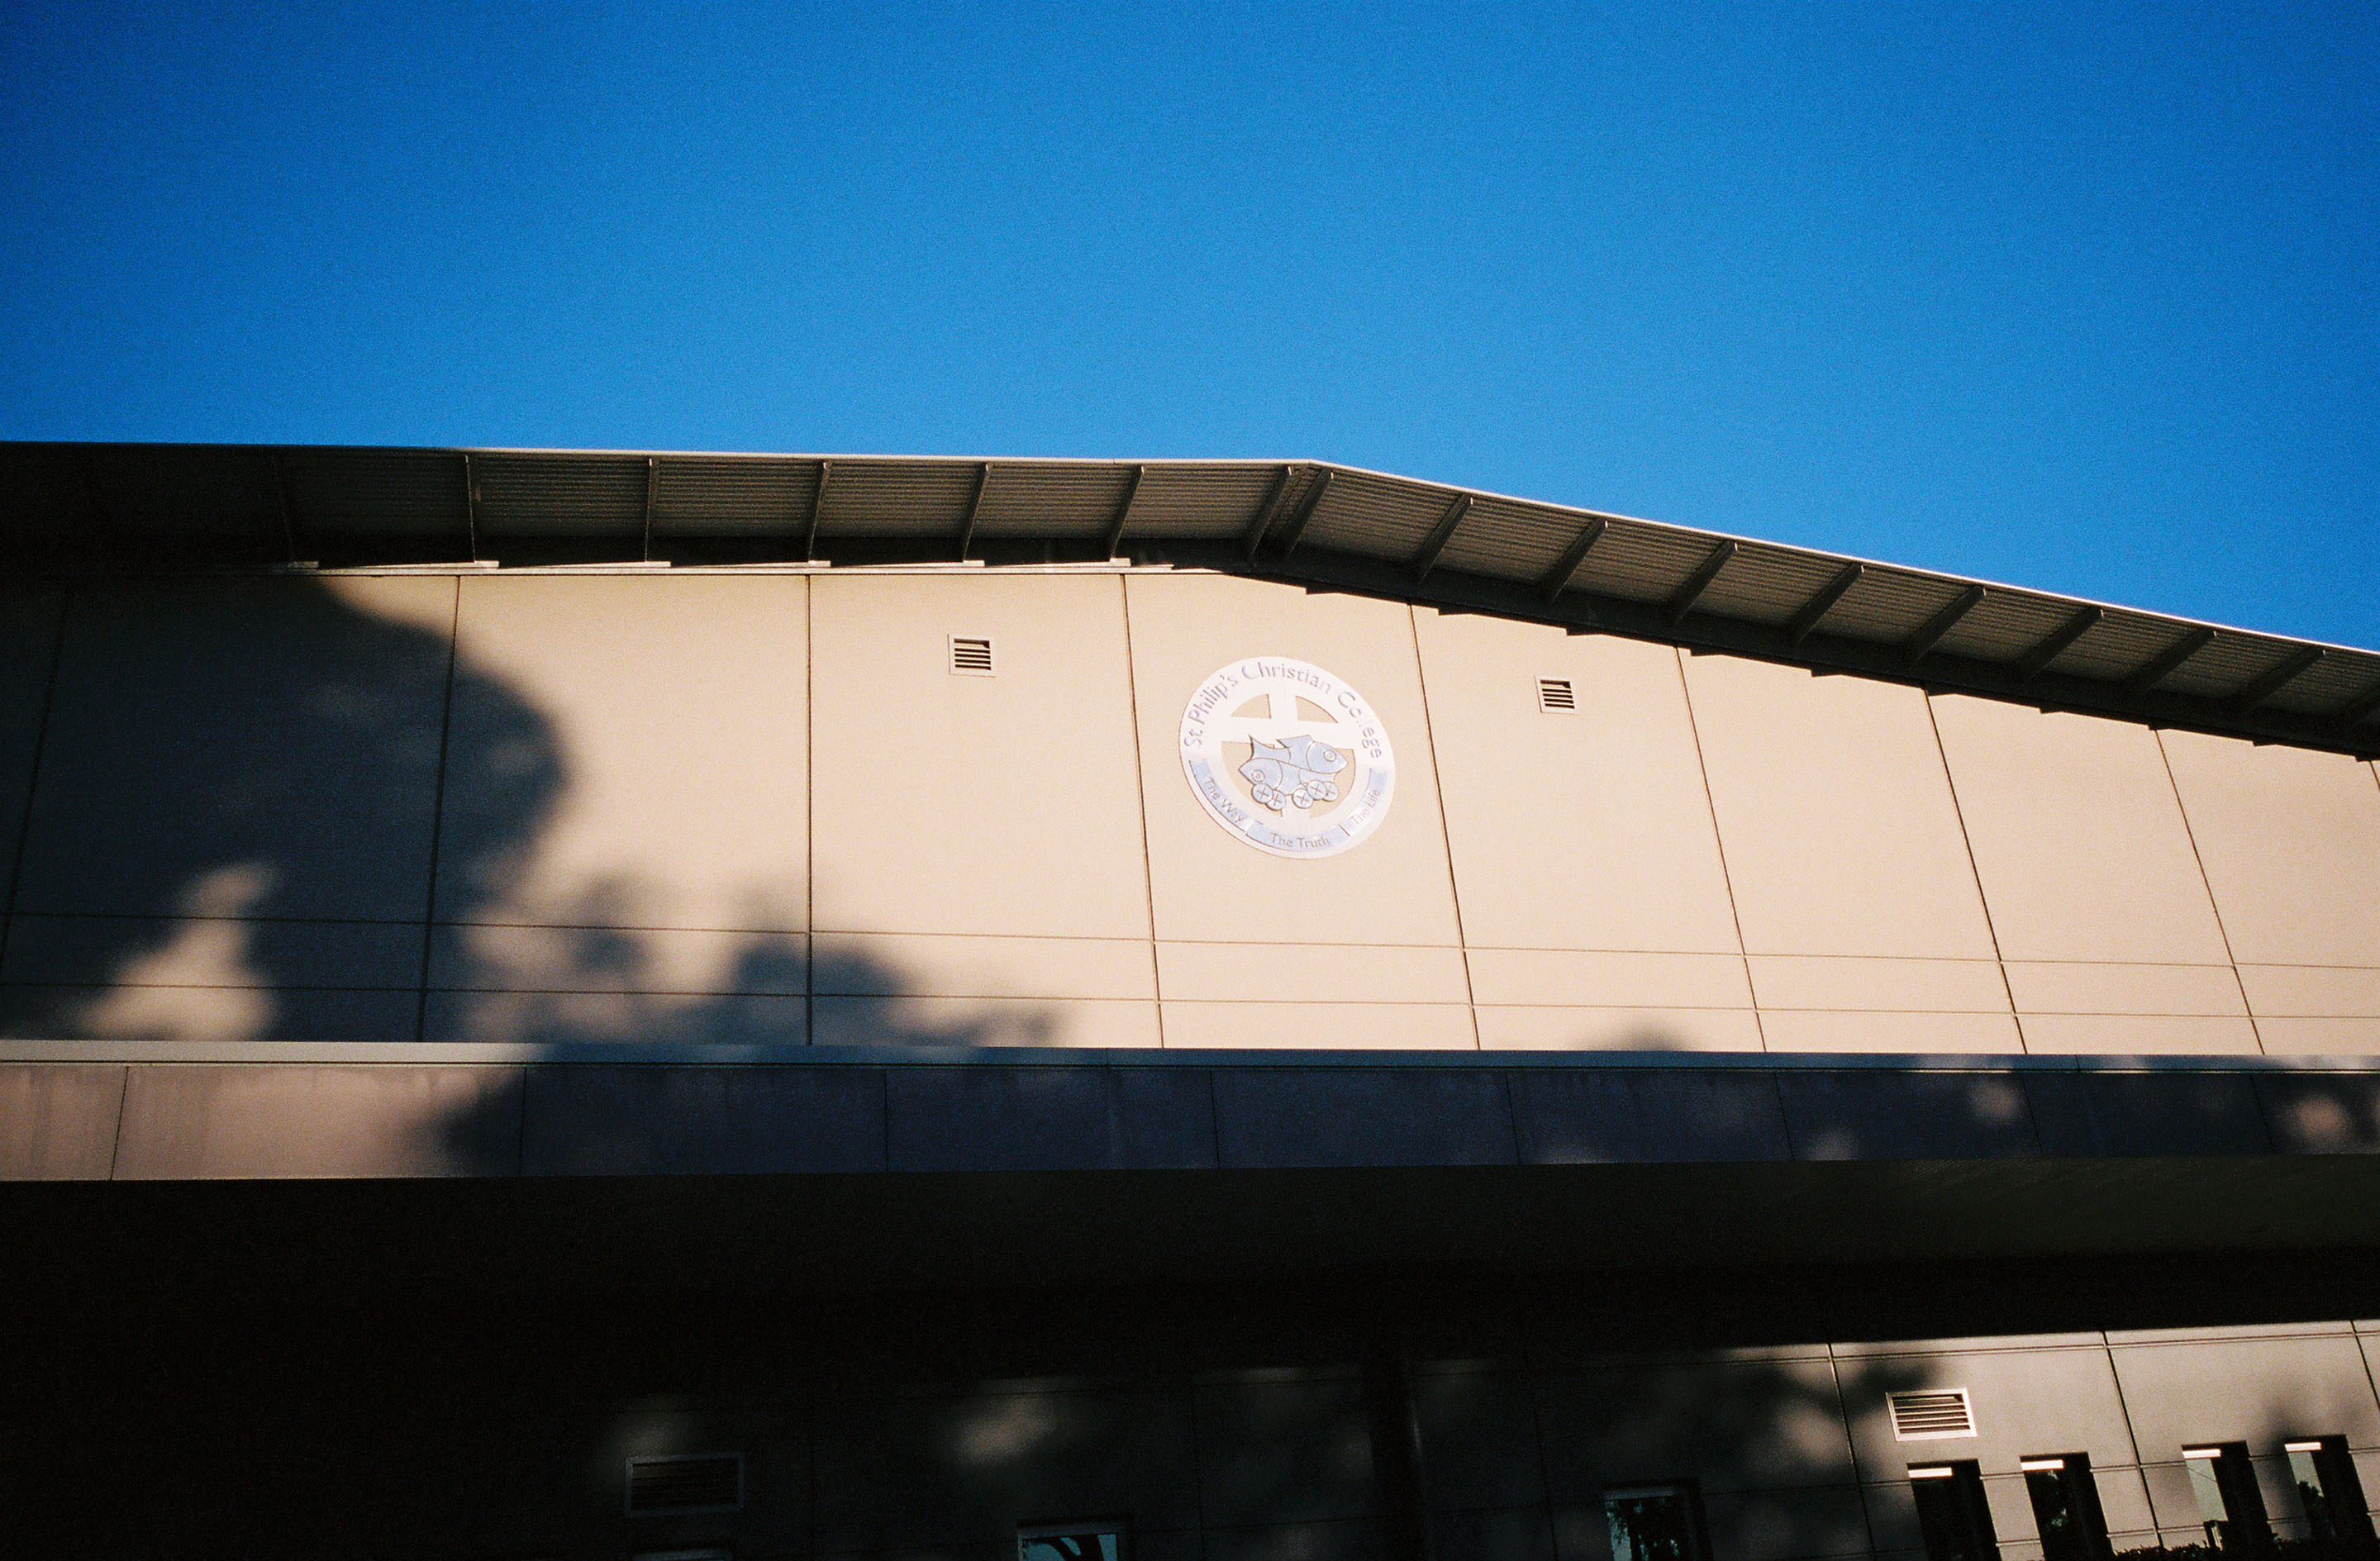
(2324, 1472)
(2230, 1509)
(2066, 1507)
(1656, 1522)
(1086, 1539)
(1951, 1514)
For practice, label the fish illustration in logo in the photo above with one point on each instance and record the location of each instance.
(1295, 770)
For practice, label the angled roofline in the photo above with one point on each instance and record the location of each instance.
(1326, 526)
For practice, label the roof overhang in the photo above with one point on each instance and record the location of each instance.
(146, 507)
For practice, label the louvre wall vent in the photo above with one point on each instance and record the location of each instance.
(1930, 1415)
(690, 1483)
(1555, 694)
(971, 656)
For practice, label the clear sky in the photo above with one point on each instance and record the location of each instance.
(2084, 298)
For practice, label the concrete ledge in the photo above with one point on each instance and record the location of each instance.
(1012, 1111)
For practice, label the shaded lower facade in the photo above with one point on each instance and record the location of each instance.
(941, 1365)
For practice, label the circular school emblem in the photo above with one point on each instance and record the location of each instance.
(1287, 757)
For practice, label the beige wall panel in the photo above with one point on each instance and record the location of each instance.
(2320, 1037)
(2099, 1034)
(257, 748)
(1320, 1026)
(2290, 840)
(206, 1016)
(1310, 973)
(600, 959)
(671, 712)
(889, 964)
(2077, 837)
(2025, 1401)
(272, 1122)
(1784, 981)
(211, 952)
(594, 1019)
(1519, 1028)
(987, 805)
(2229, 1333)
(2246, 1390)
(29, 624)
(2208, 991)
(1799, 1030)
(1585, 828)
(1392, 889)
(1972, 1344)
(1838, 824)
(57, 1123)
(982, 1022)
(1542, 976)
(2311, 991)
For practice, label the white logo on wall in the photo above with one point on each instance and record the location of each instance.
(1287, 757)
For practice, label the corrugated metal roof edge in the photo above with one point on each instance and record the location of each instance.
(2353, 726)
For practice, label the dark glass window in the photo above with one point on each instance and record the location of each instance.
(1950, 1512)
(1089, 1540)
(2230, 1509)
(2324, 1471)
(2066, 1507)
(1657, 1523)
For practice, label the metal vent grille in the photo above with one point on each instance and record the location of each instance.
(1929, 1416)
(1556, 693)
(692, 1483)
(971, 658)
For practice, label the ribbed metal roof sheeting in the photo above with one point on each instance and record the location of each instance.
(1066, 500)
(1363, 530)
(732, 495)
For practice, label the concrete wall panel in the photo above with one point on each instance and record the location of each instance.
(1836, 821)
(1540, 977)
(675, 712)
(1355, 1026)
(2210, 991)
(2026, 1402)
(496, 958)
(28, 626)
(1282, 1451)
(1586, 828)
(1992, 1035)
(924, 1019)
(1522, 1028)
(896, 964)
(2258, 1390)
(58, 1123)
(2310, 992)
(597, 1018)
(1396, 887)
(1764, 1425)
(987, 805)
(2290, 840)
(2095, 1035)
(1318, 972)
(1880, 986)
(258, 747)
(2078, 839)
(196, 1122)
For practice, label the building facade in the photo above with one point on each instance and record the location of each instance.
(670, 1006)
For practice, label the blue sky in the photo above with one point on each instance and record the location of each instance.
(2081, 300)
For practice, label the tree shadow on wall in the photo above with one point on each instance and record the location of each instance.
(242, 789)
